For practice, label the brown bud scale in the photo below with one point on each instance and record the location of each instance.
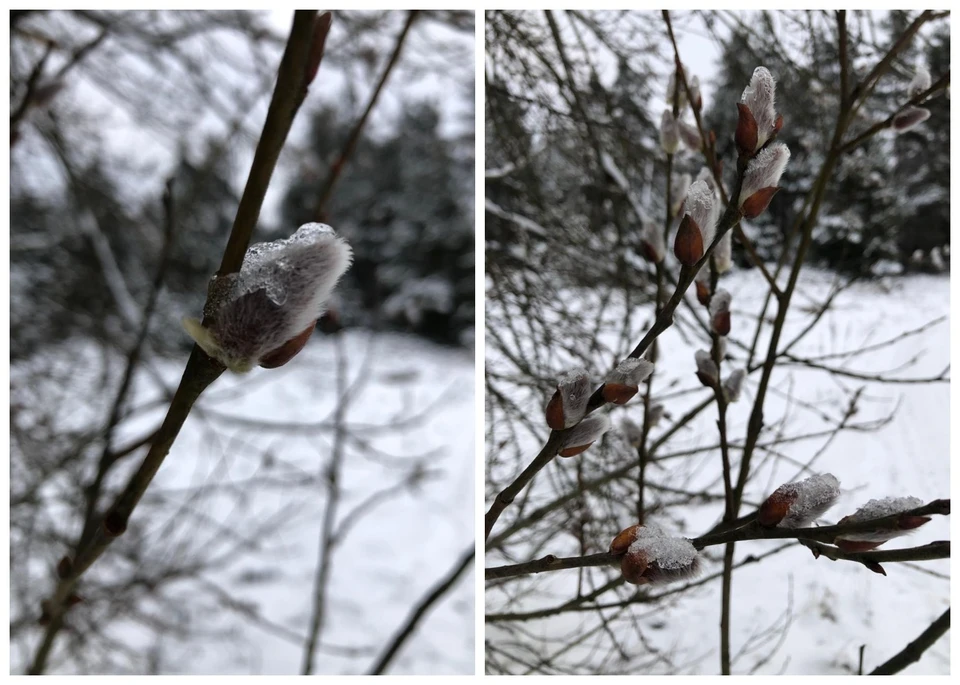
(280, 356)
(618, 393)
(756, 204)
(688, 247)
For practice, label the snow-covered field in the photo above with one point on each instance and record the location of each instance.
(823, 611)
(411, 407)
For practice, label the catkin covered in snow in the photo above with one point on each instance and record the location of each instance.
(276, 298)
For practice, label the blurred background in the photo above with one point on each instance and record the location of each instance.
(302, 512)
(574, 172)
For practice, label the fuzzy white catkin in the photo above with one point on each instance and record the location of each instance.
(694, 84)
(760, 97)
(879, 508)
(723, 253)
(281, 289)
(589, 430)
(814, 496)
(672, 86)
(706, 365)
(669, 132)
(734, 384)
(921, 82)
(703, 208)
(720, 302)
(631, 371)
(764, 170)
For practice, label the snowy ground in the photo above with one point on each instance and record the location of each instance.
(829, 609)
(412, 402)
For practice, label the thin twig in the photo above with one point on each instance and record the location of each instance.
(419, 611)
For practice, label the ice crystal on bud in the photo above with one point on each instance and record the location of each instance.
(274, 301)
(654, 558)
(909, 118)
(759, 96)
(723, 253)
(921, 82)
(880, 508)
(669, 132)
(569, 402)
(708, 178)
(703, 208)
(797, 505)
(764, 170)
(734, 384)
(631, 371)
(584, 434)
(706, 368)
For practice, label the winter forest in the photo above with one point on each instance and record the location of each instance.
(285, 530)
(717, 347)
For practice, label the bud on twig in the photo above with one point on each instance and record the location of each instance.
(720, 312)
(624, 381)
(652, 558)
(676, 90)
(584, 434)
(702, 284)
(909, 118)
(654, 247)
(569, 402)
(761, 178)
(267, 310)
(921, 82)
(688, 245)
(697, 99)
(880, 508)
(707, 370)
(734, 384)
(669, 132)
(797, 505)
(701, 204)
(759, 98)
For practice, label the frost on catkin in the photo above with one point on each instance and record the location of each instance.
(652, 557)
(875, 509)
(280, 291)
(798, 505)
